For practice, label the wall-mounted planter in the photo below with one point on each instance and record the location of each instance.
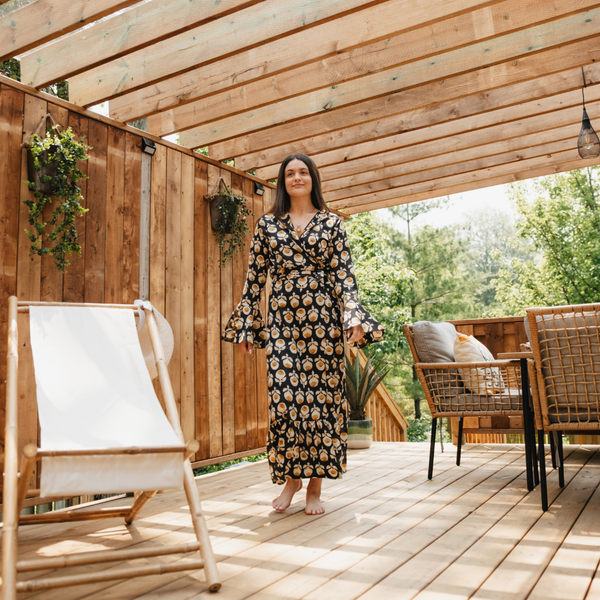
(228, 214)
(51, 170)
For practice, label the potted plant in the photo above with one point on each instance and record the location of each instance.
(228, 214)
(53, 176)
(360, 385)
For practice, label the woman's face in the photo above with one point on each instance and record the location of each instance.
(298, 182)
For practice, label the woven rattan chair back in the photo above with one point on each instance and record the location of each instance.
(565, 341)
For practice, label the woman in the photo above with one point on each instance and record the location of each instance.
(313, 302)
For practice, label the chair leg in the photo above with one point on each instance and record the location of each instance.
(200, 528)
(432, 447)
(459, 444)
(542, 455)
(552, 438)
(140, 501)
(561, 459)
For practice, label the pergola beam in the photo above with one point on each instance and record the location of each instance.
(480, 175)
(241, 31)
(450, 34)
(460, 133)
(472, 159)
(443, 168)
(464, 89)
(132, 30)
(323, 41)
(470, 58)
(369, 168)
(46, 20)
(516, 176)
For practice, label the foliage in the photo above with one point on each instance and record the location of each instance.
(11, 68)
(228, 463)
(233, 213)
(382, 280)
(361, 382)
(59, 149)
(560, 217)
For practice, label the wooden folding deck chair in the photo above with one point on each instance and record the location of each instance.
(16, 480)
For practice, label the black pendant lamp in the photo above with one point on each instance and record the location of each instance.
(588, 144)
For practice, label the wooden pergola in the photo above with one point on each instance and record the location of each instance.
(396, 100)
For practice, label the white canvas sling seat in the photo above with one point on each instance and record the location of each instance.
(103, 430)
(94, 392)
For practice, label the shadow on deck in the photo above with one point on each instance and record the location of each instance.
(388, 533)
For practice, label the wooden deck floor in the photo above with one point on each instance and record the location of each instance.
(471, 532)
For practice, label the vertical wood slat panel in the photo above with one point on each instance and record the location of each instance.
(188, 412)
(115, 197)
(51, 284)
(11, 127)
(28, 288)
(227, 363)
(158, 194)
(201, 233)
(109, 266)
(261, 359)
(74, 278)
(173, 266)
(213, 346)
(240, 259)
(250, 362)
(95, 226)
(131, 218)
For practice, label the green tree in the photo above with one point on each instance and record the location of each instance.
(560, 216)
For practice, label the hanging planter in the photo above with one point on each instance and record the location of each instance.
(53, 176)
(228, 214)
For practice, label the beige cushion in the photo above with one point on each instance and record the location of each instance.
(434, 341)
(477, 379)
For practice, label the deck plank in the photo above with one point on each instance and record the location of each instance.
(388, 533)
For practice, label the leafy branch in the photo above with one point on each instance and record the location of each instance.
(55, 159)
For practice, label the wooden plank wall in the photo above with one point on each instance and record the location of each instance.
(220, 391)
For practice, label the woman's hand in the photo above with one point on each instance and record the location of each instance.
(355, 334)
(246, 347)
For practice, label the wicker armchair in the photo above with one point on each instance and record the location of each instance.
(448, 396)
(564, 375)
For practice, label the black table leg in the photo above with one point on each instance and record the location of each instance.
(527, 426)
(543, 471)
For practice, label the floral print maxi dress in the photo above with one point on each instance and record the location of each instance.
(313, 299)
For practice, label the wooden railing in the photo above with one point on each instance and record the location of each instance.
(389, 424)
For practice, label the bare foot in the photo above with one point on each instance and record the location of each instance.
(314, 506)
(285, 498)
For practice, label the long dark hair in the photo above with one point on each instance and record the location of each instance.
(282, 198)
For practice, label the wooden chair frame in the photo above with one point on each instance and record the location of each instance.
(510, 370)
(16, 482)
(540, 397)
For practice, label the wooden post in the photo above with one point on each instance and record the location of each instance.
(191, 491)
(9, 498)
(27, 465)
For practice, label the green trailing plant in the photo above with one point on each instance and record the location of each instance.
(55, 159)
(228, 215)
(361, 382)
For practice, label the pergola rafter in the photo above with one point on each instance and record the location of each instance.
(396, 100)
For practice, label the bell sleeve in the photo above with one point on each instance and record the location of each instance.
(346, 290)
(246, 323)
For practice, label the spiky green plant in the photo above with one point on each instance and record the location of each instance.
(361, 383)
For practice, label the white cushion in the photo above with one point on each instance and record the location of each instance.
(477, 379)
